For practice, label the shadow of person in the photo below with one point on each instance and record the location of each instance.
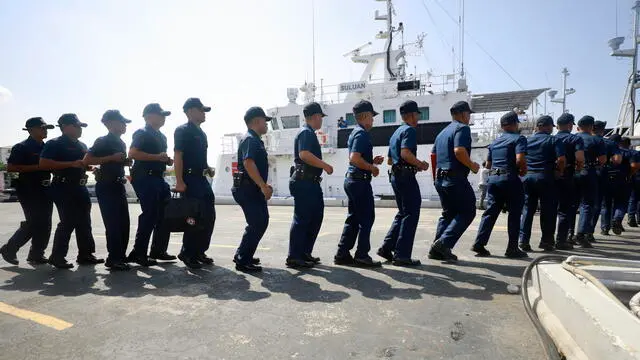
(71, 283)
(369, 287)
(282, 281)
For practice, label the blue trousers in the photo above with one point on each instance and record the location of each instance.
(539, 186)
(74, 209)
(197, 241)
(153, 193)
(503, 189)
(112, 199)
(603, 190)
(402, 234)
(615, 200)
(587, 190)
(256, 213)
(567, 206)
(458, 203)
(308, 213)
(360, 219)
(634, 198)
(37, 207)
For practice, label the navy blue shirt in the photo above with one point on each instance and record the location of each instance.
(252, 147)
(360, 142)
(105, 146)
(306, 140)
(403, 138)
(593, 148)
(192, 142)
(64, 148)
(150, 141)
(456, 134)
(542, 151)
(572, 143)
(503, 151)
(28, 153)
(625, 166)
(610, 148)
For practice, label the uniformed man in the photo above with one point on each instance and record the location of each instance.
(250, 188)
(304, 185)
(545, 155)
(452, 149)
(616, 198)
(507, 160)
(634, 181)
(587, 180)
(403, 148)
(357, 185)
(565, 183)
(192, 170)
(63, 155)
(605, 185)
(149, 152)
(31, 189)
(109, 152)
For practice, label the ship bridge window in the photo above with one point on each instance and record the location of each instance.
(290, 122)
(389, 116)
(351, 119)
(274, 123)
(424, 113)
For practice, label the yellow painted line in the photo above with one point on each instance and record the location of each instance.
(41, 319)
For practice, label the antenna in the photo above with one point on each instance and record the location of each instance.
(462, 41)
(313, 34)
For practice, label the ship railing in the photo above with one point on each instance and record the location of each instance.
(230, 143)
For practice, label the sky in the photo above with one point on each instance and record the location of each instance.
(89, 56)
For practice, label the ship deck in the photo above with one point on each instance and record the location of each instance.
(435, 311)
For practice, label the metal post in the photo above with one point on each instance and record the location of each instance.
(635, 67)
(565, 72)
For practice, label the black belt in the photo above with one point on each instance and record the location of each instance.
(241, 178)
(403, 170)
(442, 173)
(359, 176)
(138, 172)
(592, 166)
(304, 175)
(117, 180)
(500, 172)
(32, 182)
(69, 180)
(200, 172)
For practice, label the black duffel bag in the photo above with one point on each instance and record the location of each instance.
(183, 214)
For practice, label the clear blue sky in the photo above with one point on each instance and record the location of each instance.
(89, 56)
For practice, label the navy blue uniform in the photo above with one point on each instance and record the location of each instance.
(112, 197)
(617, 191)
(35, 201)
(308, 211)
(192, 142)
(566, 186)
(249, 196)
(71, 197)
(634, 180)
(147, 178)
(539, 184)
(400, 237)
(457, 197)
(504, 187)
(357, 185)
(606, 183)
(587, 181)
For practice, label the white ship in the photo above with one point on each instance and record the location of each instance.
(434, 95)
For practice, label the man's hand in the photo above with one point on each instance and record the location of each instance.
(181, 187)
(328, 169)
(211, 171)
(128, 162)
(423, 166)
(375, 171)
(267, 191)
(378, 160)
(78, 164)
(475, 167)
(169, 162)
(163, 157)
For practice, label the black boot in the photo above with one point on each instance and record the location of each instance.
(631, 221)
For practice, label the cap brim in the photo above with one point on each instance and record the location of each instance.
(83, 124)
(206, 108)
(268, 118)
(375, 113)
(323, 114)
(126, 121)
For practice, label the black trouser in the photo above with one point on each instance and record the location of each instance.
(37, 207)
(74, 208)
(112, 199)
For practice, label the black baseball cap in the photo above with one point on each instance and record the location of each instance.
(111, 115)
(195, 103)
(409, 107)
(566, 119)
(363, 106)
(545, 120)
(616, 138)
(599, 125)
(586, 120)
(154, 108)
(36, 122)
(70, 119)
(254, 112)
(460, 107)
(313, 108)
(509, 118)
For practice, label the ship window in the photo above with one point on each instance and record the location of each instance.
(351, 119)
(274, 123)
(290, 122)
(424, 113)
(389, 116)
